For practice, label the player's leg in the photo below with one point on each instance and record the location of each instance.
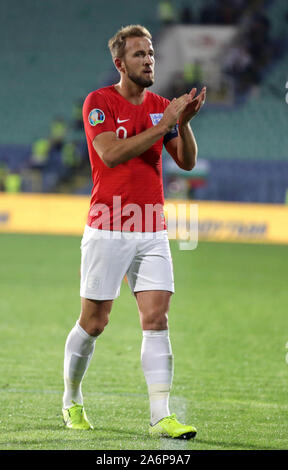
(156, 351)
(103, 265)
(151, 278)
(80, 345)
(79, 349)
(157, 364)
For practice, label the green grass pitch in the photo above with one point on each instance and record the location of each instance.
(228, 328)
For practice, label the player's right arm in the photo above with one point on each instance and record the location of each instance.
(114, 151)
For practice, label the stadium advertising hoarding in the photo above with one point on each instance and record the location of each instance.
(213, 221)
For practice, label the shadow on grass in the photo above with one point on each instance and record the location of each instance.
(233, 445)
(103, 437)
(108, 437)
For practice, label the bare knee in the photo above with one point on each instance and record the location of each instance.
(96, 325)
(154, 320)
(153, 309)
(94, 315)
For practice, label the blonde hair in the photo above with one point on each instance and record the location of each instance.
(118, 42)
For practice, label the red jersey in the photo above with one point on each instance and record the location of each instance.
(128, 197)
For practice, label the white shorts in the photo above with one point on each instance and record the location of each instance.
(105, 259)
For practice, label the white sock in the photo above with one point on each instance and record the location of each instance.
(79, 349)
(157, 365)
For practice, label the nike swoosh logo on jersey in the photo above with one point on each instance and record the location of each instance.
(122, 120)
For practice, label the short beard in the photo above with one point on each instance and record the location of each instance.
(142, 82)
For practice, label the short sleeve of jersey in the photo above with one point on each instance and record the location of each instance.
(97, 115)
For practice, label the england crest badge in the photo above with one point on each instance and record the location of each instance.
(155, 118)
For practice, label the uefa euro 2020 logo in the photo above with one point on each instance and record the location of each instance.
(96, 116)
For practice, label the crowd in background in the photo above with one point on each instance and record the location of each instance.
(247, 59)
(53, 159)
(63, 152)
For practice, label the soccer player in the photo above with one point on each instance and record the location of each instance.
(126, 126)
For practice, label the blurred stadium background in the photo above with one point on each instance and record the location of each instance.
(232, 298)
(51, 58)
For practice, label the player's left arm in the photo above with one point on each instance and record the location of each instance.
(183, 148)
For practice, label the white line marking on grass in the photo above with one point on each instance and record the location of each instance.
(60, 392)
(177, 404)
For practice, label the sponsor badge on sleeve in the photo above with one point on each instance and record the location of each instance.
(96, 116)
